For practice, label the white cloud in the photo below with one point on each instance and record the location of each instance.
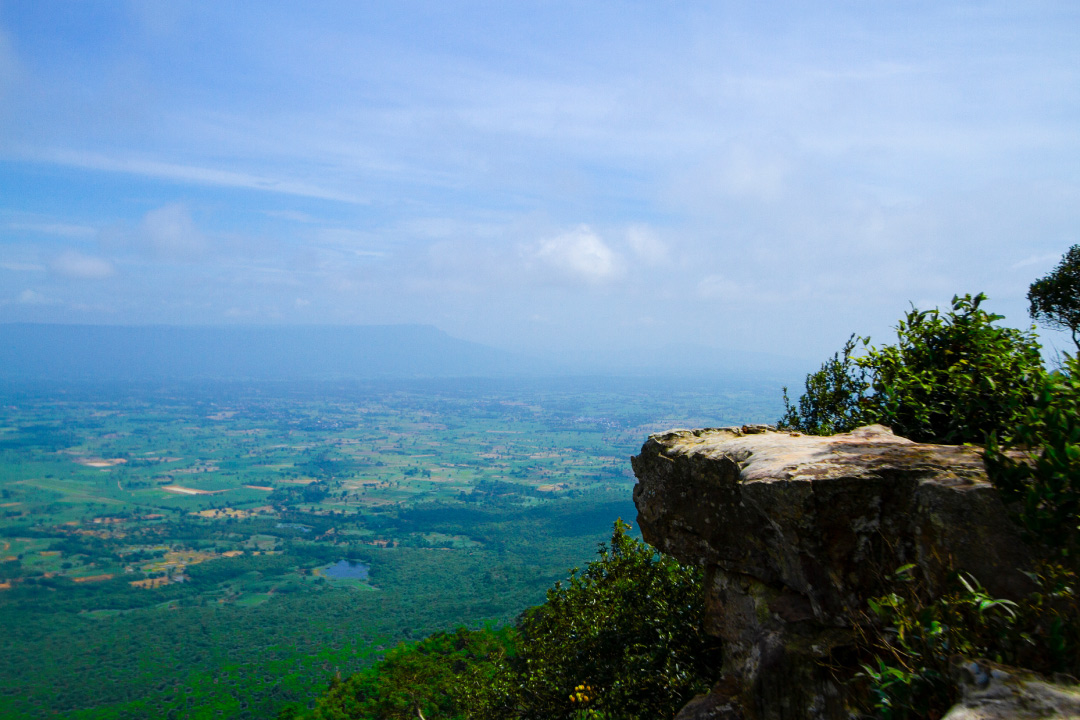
(646, 245)
(32, 297)
(76, 265)
(171, 232)
(580, 254)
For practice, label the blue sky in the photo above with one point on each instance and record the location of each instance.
(584, 179)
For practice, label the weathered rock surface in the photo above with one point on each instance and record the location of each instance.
(796, 532)
(994, 692)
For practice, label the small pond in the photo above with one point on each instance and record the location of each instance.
(347, 569)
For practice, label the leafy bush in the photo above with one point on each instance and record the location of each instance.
(951, 378)
(628, 627)
(913, 639)
(621, 640)
(835, 396)
(1042, 474)
(446, 675)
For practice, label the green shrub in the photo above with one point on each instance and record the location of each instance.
(629, 628)
(1042, 473)
(835, 396)
(621, 640)
(447, 675)
(951, 377)
(912, 639)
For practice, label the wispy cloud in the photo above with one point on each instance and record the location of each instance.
(22, 267)
(171, 233)
(189, 174)
(79, 266)
(58, 229)
(291, 215)
(1037, 260)
(33, 297)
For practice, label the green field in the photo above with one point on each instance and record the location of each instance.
(162, 549)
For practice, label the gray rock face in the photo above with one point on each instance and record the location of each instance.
(796, 532)
(994, 692)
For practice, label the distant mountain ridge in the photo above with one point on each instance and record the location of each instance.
(31, 351)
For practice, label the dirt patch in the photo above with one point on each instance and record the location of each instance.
(267, 488)
(187, 557)
(181, 490)
(93, 578)
(100, 462)
(150, 583)
(223, 512)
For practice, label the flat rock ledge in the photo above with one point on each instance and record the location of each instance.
(796, 532)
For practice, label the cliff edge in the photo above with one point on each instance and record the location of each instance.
(796, 532)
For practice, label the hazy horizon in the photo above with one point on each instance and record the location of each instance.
(66, 352)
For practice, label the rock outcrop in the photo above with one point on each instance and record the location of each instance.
(995, 692)
(795, 532)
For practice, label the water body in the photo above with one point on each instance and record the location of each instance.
(347, 569)
(295, 526)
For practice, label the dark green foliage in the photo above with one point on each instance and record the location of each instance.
(955, 377)
(1042, 475)
(914, 638)
(629, 627)
(833, 401)
(951, 377)
(447, 675)
(1054, 300)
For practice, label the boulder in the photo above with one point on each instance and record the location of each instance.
(996, 692)
(796, 532)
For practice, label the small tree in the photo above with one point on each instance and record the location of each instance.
(834, 397)
(1055, 299)
(951, 377)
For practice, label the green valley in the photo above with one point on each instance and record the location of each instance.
(169, 551)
